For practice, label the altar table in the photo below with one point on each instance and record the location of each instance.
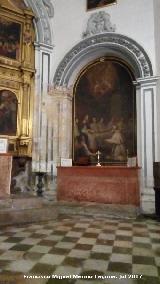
(105, 184)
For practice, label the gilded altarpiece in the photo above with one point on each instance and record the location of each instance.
(16, 76)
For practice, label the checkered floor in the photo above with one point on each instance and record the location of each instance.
(80, 249)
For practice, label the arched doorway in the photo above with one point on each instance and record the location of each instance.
(104, 113)
(129, 51)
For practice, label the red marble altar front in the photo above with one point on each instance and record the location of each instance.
(116, 184)
(5, 176)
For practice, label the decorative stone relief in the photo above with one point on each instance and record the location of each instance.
(44, 21)
(44, 10)
(124, 46)
(49, 8)
(99, 23)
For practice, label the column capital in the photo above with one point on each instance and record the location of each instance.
(148, 81)
(61, 93)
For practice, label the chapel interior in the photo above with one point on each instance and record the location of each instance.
(79, 141)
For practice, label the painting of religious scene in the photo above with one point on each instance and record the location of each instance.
(92, 4)
(104, 114)
(9, 39)
(8, 113)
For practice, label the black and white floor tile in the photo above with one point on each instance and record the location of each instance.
(81, 250)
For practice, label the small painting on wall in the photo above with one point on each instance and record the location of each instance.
(10, 39)
(92, 4)
(8, 113)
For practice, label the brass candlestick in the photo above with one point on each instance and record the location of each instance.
(98, 156)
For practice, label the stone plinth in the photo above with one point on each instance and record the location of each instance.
(109, 185)
(5, 176)
(26, 208)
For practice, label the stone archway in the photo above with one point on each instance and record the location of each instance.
(120, 46)
(100, 45)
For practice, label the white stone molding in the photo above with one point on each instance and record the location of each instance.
(104, 44)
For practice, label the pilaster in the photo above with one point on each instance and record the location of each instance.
(60, 111)
(147, 143)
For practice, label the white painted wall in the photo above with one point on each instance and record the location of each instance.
(157, 33)
(157, 66)
(132, 18)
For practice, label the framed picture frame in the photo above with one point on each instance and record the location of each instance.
(10, 38)
(3, 145)
(8, 113)
(104, 114)
(94, 4)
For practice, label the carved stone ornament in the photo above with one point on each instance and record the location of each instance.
(99, 23)
(43, 9)
(49, 7)
(129, 48)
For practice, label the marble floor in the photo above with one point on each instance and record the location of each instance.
(81, 250)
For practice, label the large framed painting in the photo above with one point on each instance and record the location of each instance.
(8, 113)
(10, 34)
(92, 4)
(104, 118)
